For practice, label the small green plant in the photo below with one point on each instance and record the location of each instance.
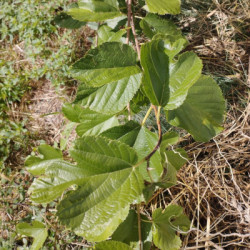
(118, 162)
(32, 48)
(37, 231)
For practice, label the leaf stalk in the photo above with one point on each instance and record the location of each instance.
(146, 116)
(139, 225)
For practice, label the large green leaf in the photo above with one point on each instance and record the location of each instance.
(112, 245)
(105, 34)
(156, 72)
(126, 133)
(95, 10)
(37, 231)
(112, 69)
(91, 122)
(127, 231)
(153, 24)
(95, 210)
(183, 74)
(165, 225)
(202, 112)
(36, 165)
(110, 98)
(163, 7)
(107, 184)
(105, 64)
(144, 144)
(91, 154)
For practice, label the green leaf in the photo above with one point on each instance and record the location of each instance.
(166, 223)
(117, 22)
(59, 175)
(112, 245)
(95, 11)
(156, 72)
(95, 210)
(105, 34)
(64, 20)
(144, 144)
(202, 113)
(149, 191)
(105, 64)
(72, 112)
(153, 24)
(91, 122)
(126, 133)
(173, 161)
(111, 68)
(108, 184)
(96, 155)
(176, 158)
(173, 45)
(127, 232)
(110, 98)
(65, 135)
(49, 152)
(138, 101)
(163, 7)
(37, 165)
(37, 231)
(183, 74)
(91, 154)
(95, 124)
(83, 92)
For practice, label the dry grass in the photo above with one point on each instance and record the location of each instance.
(214, 186)
(44, 111)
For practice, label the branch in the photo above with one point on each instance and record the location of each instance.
(129, 6)
(135, 36)
(131, 25)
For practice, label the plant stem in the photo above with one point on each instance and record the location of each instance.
(157, 115)
(135, 36)
(148, 170)
(139, 225)
(147, 115)
(147, 158)
(129, 6)
(96, 37)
